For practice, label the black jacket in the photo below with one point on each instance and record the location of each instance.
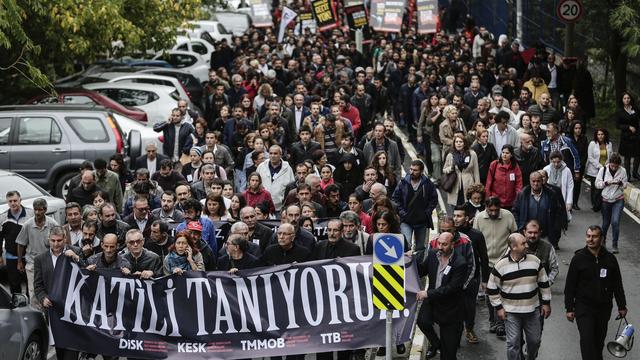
(262, 234)
(592, 282)
(298, 153)
(148, 260)
(326, 250)
(248, 261)
(529, 162)
(302, 237)
(141, 162)
(485, 158)
(185, 141)
(446, 302)
(275, 255)
(479, 252)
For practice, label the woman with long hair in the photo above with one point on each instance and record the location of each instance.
(475, 200)
(628, 121)
(116, 164)
(355, 205)
(326, 176)
(215, 209)
(612, 179)
(200, 126)
(576, 133)
(385, 174)
(430, 118)
(256, 193)
(247, 106)
(505, 178)
(486, 154)
(237, 203)
(182, 257)
(598, 155)
(464, 162)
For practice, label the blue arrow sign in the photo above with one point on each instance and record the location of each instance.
(388, 249)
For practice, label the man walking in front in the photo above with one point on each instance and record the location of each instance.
(516, 285)
(592, 281)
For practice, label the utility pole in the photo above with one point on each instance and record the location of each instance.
(569, 39)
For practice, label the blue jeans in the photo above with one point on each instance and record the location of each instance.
(515, 323)
(421, 232)
(611, 216)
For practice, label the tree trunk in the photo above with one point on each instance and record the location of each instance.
(619, 62)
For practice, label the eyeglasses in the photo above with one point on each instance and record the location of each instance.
(142, 209)
(135, 242)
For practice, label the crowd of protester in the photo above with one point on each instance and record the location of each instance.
(305, 130)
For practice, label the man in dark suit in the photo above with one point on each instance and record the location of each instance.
(141, 218)
(44, 265)
(150, 161)
(443, 299)
(335, 246)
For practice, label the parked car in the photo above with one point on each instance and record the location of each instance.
(23, 329)
(48, 143)
(236, 22)
(158, 80)
(30, 191)
(147, 135)
(87, 97)
(191, 62)
(156, 100)
(202, 47)
(211, 31)
(191, 83)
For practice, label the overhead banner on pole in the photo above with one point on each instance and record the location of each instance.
(427, 16)
(386, 16)
(322, 306)
(261, 13)
(325, 14)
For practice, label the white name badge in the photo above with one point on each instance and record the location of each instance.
(512, 177)
(603, 273)
(256, 241)
(447, 269)
(467, 159)
(189, 178)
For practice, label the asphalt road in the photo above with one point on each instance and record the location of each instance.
(560, 338)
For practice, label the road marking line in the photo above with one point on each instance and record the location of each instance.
(411, 151)
(626, 211)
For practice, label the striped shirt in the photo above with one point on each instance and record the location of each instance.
(515, 285)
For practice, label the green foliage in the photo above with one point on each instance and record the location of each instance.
(43, 39)
(624, 19)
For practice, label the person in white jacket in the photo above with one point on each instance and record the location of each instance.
(598, 154)
(561, 176)
(276, 175)
(612, 179)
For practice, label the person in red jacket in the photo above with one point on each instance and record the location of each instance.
(505, 178)
(256, 193)
(350, 112)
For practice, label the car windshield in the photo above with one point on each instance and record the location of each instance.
(27, 190)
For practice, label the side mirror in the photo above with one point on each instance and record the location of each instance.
(19, 300)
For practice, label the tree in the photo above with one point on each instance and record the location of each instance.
(47, 38)
(612, 25)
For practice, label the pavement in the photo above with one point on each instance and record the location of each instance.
(560, 338)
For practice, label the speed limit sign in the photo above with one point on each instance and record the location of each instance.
(570, 10)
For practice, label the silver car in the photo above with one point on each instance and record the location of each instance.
(29, 191)
(23, 329)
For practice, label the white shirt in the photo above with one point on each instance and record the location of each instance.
(553, 82)
(141, 223)
(151, 165)
(54, 258)
(500, 139)
(298, 118)
(176, 147)
(76, 236)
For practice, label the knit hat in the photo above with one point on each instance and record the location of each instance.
(197, 150)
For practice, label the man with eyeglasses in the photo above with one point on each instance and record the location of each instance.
(151, 160)
(290, 215)
(144, 263)
(141, 218)
(258, 233)
(240, 228)
(285, 251)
